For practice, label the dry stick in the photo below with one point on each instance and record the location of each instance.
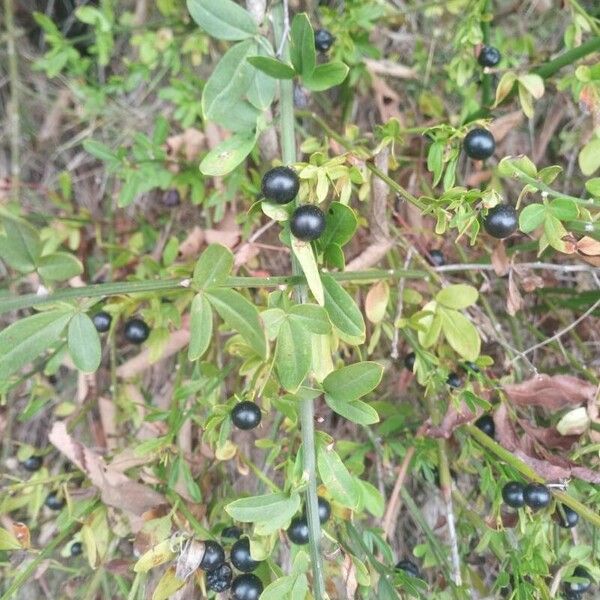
(399, 308)
(13, 105)
(391, 514)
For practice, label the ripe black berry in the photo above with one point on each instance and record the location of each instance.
(219, 579)
(323, 40)
(280, 185)
(579, 587)
(232, 533)
(307, 222)
(566, 516)
(241, 558)
(501, 221)
(298, 531)
(324, 510)
(409, 361)
(479, 144)
(246, 587)
(537, 495)
(102, 321)
(453, 380)
(486, 424)
(408, 567)
(53, 502)
(246, 415)
(171, 198)
(436, 258)
(489, 56)
(513, 494)
(33, 463)
(76, 548)
(136, 331)
(214, 556)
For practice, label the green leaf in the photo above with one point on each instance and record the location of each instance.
(270, 512)
(100, 151)
(505, 86)
(227, 155)
(8, 541)
(223, 19)
(554, 231)
(533, 83)
(526, 100)
(277, 212)
(460, 333)
(262, 89)
(457, 296)
(354, 381)
(372, 499)
(593, 186)
(272, 67)
(431, 326)
(306, 257)
(292, 354)
(337, 479)
(589, 157)
(272, 319)
(59, 266)
(201, 327)
(435, 161)
(302, 45)
(27, 338)
(20, 246)
(340, 225)
(213, 266)
(224, 92)
(240, 315)
(343, 312)
(564, 209)
(356, 411)
(84, 343)
(279, 589)
(311, 317)
(531, 217)
(326, 76)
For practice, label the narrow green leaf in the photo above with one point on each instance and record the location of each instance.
(311, 317)
(227, 155)
(280, 589)
(356, 411)
(292, 354)
(457, 296)
(430, 326)
(354, 381)
(240, 315)
(372, 498)
(59, 266)
(100, 151)
(201, 327)
(337, 479)
(302, 45)
(213, 266)
(84, 343)
(257, 509)
(20, 247)
(8, 541)
(343, 312)
(263, 88)
(272, 67)
(435, 161)
(306, 257)
(223, 19)
(326, 76)
(460, 333)
(27, 338)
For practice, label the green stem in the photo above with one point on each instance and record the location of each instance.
(27, 572)
(525, 470)
(288, 150)
(486, 80)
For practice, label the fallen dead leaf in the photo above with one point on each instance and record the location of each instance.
(502, 126)
(500, 260)
(389, 67)
(189, 144)
(452, 419)
(514, 299)
(588, 246)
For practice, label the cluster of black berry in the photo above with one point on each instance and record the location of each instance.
(135, 331)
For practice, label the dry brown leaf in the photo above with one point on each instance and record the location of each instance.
(503, 125)
(387, 100)
(188, 144)
(552, 392)
(116, 489)
(549, 437)
(500, 260)
(389, 67)
(477, 177)
(514, 300)
(452, 419)
(349, 577)
(588, 246)
(531, 283)
(190, 247)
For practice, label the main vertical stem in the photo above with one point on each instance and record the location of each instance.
(13, 104)
(288, 149)
(486, 80)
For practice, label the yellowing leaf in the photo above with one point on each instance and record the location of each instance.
(376, 302)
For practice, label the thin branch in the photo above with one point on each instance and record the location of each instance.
(393, 508)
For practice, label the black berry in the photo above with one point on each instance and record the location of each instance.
(513, 494)
(219, 579)
(136, 331)
(241, 558)
(537, 495)
(232, 533)
(76, 548)
(566, 516)
(53, 502)
(280, 185)
(102, 321)
(246, 415)
(436, 258)
(408, 567)
(214, 556)
(33, 463)
(324, 510)
(323, 40)
(171, 198)
(579, 587)
(501, 221)
(489, 56)
(298, 531)
(307, 222)
(246, 587)
(486, 424)
(454, 380)
(409, 361)
(479, 144)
